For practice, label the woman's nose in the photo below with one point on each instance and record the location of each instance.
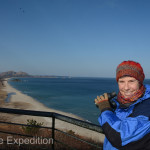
(126, 86)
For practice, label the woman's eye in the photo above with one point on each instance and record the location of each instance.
(131, 80)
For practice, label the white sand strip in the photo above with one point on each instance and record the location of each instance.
(19, 100)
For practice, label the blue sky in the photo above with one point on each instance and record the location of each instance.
(86, 38)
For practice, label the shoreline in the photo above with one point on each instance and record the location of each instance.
(18, 100)
(31, 103)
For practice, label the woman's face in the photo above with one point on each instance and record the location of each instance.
(128, 86)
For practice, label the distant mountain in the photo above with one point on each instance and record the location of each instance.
(9, 74)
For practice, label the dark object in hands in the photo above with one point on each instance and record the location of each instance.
(112, 103)
(110, 96)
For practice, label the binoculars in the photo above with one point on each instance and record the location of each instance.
(110, 96)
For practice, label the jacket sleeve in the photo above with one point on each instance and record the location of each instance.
(121, 132)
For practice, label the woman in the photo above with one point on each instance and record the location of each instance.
(128, 126)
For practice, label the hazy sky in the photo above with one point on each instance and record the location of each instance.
(73, 37)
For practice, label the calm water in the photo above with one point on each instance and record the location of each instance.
(72, 95)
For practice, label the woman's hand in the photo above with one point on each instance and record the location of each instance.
(102, 102)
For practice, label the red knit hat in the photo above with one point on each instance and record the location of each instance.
(130, 68)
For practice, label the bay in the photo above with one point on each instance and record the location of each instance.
(72, 95)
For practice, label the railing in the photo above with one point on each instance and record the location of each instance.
(54, 116)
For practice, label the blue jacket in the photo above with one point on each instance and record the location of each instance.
(128, 128)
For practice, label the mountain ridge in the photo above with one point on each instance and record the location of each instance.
(9, 74)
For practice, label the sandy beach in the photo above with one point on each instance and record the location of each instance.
(19, 100)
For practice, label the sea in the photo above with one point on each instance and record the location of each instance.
(73, 95)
